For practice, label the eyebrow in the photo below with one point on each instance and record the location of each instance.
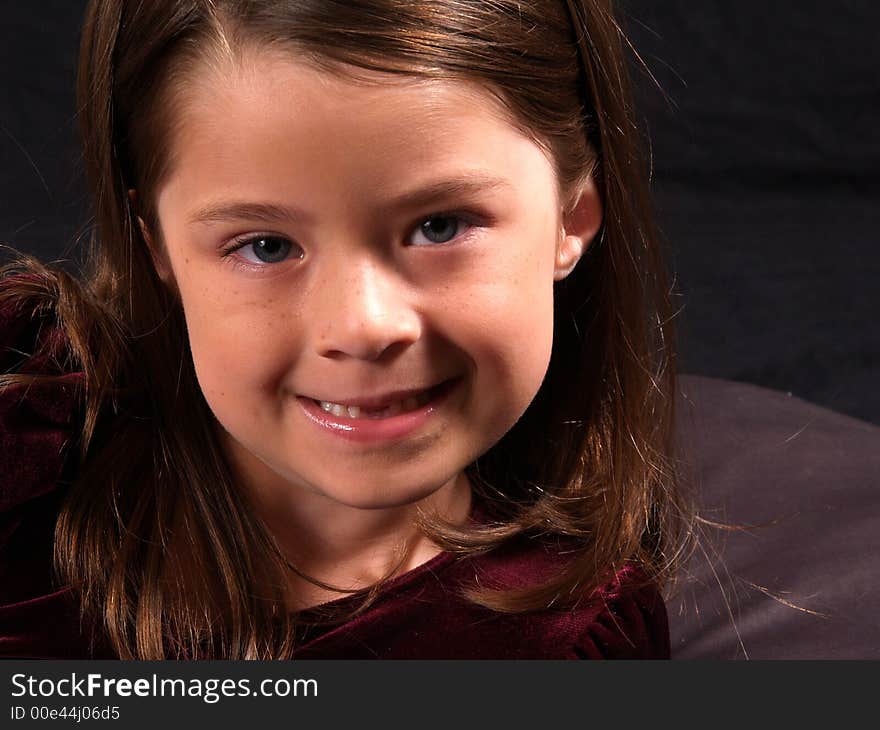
(473, 184)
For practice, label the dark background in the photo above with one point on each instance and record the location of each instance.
(766, 161)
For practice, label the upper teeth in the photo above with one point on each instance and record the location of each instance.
(392, 409)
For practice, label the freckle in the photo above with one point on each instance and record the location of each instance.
(186, 259)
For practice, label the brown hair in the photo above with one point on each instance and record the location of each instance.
(591, 462)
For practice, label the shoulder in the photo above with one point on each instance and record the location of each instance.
(627, 621)
(624, 618)
(32, 341)
(36, 413)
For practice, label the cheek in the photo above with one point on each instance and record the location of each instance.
(510, 326)
(240, 351)
(523, 341)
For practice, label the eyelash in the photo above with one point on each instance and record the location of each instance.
(470, 222)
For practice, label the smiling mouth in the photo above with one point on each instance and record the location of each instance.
(394, 408)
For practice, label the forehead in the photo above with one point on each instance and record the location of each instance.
(267, 74)
(270, 111)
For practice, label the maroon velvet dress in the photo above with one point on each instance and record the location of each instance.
(419, 615)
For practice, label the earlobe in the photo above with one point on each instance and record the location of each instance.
(579, 227)
(568, 253)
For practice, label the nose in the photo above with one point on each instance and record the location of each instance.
(364, 312)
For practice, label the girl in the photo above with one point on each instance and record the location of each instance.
(373, 355)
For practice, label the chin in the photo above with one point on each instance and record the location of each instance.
(379, 493)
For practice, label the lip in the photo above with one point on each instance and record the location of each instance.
(369, 430)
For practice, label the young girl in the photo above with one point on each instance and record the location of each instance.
(373, 355)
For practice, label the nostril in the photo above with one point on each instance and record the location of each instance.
(366, 351)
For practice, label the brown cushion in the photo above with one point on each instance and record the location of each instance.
(808, 480)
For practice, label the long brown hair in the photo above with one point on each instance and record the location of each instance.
(590, 464)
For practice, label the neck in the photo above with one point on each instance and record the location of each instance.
(348, 547)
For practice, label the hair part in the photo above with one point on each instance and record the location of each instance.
(168, 554)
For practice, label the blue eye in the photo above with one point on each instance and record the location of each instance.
(266, 249)
(440, 229)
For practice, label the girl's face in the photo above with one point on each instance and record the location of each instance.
(366, 273)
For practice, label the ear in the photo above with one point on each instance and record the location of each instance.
(157, 251)
(579, 227)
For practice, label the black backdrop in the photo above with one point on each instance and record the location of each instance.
(766, 168)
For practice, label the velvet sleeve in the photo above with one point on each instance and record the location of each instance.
(35, 418)
(37, 620)
(631, 622)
